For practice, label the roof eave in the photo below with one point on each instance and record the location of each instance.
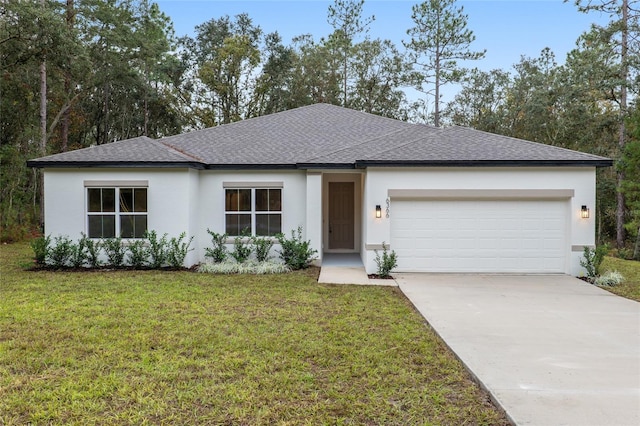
(112, 164)
(306, 166)
(605, 162)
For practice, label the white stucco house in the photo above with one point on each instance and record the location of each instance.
(447, 199)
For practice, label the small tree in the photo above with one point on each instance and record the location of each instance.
(137, 254)
(157, 250)
(296, 253)
(387, 262)
(219, 250)
(93, 248)
(592, 259)
(178, 250)
(262, 246)
(78, 254)
(241, 249)
(61, 251)
(41, 248)
(115, 251)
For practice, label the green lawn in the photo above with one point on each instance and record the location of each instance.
(630, 269)
(184, 348)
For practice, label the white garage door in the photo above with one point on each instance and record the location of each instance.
(479, 236)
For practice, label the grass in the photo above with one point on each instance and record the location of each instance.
(630, 269)
(149, 347)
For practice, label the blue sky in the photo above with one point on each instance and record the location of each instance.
(507, 29)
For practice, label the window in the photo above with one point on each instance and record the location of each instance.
(115, 212)
(256, 211)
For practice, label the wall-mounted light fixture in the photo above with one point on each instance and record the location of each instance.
(584, 212)
(378, 211)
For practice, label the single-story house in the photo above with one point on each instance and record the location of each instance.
(448, 199)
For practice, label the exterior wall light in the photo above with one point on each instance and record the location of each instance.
(584, 212)
(378, 211)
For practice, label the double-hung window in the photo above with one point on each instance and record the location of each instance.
(253, 210)
(116, 211)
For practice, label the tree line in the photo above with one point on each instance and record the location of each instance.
(76, 73)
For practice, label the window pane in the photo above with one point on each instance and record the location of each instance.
(133, 226)
(275, 224)
(102, 226)
(108, 199)
(140, 226)
(228, 200)
(244, 202)
(94, 195)
(262, 200)
(108, 226)
(126, 200)
(238, 200)
(231, 227)
(275, 197)
(126, 225)
(236, 223)
(140, 200)
(268, 200)
(95, 226)
(268, 224)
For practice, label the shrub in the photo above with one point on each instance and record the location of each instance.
(60, 251)
(78, 255)
(609, 279)
(41, 247)
(387, 262)
(218, 253)
(137, 254)
(115, 251)
(241, 248)
(157, 249)
(296, 253)
(262, 246)
(592, 259)
(92, 251)
(178, 250)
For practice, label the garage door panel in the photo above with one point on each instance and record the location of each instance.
(479, 236)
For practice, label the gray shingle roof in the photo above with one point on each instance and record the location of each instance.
(321, 135)
(136, 151)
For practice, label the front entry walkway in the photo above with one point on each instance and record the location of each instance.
(346, 268)
(552, 350)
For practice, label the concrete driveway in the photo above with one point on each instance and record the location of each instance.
(552, 350)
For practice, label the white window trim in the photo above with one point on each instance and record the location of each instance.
(252, 212)
(117, 213)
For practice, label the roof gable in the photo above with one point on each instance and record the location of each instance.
(321, 135)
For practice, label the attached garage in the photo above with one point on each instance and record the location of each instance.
(481, 231)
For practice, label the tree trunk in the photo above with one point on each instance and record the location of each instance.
(636, 250)
(624, 75)
(43, 108)
(43, 129)
(66, 117)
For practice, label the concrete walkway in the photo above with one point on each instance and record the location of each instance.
(346, 269)
(552, 350)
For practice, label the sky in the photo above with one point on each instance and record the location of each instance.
(507, 29)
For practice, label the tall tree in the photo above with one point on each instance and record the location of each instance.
(624, 30)
(223, 57)
(481, 103)
(273, 91)
(439, 39)
(380, 71)
(345, 16)
(315, 75)
(629, 164)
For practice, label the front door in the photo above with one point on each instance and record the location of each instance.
(341, 215)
